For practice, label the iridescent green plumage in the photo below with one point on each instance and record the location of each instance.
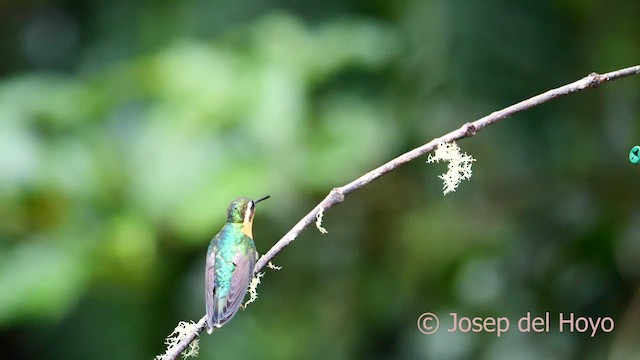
(231, 258)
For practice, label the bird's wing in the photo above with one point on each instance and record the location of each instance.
(209, 274)
(225, 309)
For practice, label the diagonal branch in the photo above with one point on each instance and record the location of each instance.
(336, 195)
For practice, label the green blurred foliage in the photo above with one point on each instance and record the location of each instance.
(126, 128)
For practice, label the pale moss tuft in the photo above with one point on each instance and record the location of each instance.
(253, 289)
(183, 329)
(459, 167)
(319, 216)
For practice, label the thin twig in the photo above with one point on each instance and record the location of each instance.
(336, 195)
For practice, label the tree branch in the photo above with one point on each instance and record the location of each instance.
(336, 195)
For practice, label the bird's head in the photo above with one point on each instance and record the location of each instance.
(242, 209)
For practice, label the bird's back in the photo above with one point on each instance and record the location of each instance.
(230, 262)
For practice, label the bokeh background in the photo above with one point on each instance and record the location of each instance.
(126, 128)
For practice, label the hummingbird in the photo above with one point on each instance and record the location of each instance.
(231, 258)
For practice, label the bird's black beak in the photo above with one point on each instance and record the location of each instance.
(263, 198)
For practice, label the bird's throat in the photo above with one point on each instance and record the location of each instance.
(247, 228)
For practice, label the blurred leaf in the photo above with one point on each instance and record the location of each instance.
(39, 279)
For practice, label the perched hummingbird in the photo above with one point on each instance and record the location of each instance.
(231, 259)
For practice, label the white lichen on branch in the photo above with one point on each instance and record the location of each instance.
(253, 286)
(319, 216)
(253, 289)
(183, 329)
(459, 167)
